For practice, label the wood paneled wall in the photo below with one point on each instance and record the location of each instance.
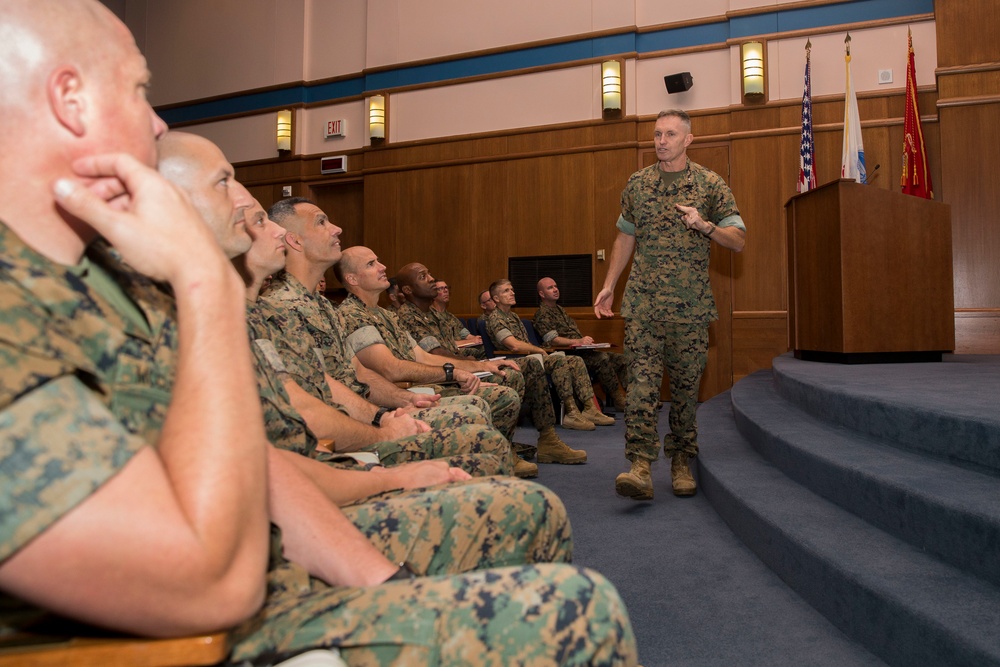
(463, 205)
(968, 79)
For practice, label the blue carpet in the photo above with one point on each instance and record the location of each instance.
(695, 593)
(871, 490)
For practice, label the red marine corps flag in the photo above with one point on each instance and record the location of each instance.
(916, 178)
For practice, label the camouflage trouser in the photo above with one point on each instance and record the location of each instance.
(459, 433)
(651, 348)
(504, 407)
(609, 368)
(519, 614)
(477, 449)
(472, 525)
(458, 408)
(536, 393)
(498, 406)
(569, 377)
(511, 378)
(546, 614)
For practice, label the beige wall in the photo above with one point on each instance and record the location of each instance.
(201, 50)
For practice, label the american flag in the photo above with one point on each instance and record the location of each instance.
(807, 149)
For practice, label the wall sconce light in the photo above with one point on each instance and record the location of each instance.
(376, 119)
(611, 88)
(752, 58)
(284, 131)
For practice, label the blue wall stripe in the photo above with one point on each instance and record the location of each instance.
(679, 38)
(554, 54)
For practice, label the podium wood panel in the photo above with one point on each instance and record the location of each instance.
(870, 272)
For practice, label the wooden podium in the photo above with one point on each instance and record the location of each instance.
(869, 275)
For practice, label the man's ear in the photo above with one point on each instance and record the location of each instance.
(67, 99)
(351, 279)
(293, 241)
(405, 289)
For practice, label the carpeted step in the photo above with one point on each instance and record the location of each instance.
(927, 407)
(948, 510)
(905, 605)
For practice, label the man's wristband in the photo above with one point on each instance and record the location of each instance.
(709, 235)
(404, 573)
(449, 372)
(377, 419)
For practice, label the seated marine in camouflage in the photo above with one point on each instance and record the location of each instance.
(435, 332)
(294, 419)
(453, 328)
(310, 344)
(379, 343)
(568, 373)
(136, 482)
(556, 327)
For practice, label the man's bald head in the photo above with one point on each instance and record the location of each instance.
(72, 85)
(417, 283)
(548, 291)
(350, 262)
(198, 167)
(38, 35)
(407, 276)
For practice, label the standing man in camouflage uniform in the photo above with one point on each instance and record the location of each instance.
(556, 327)
(568, 373)
(672, 212)
(133, 490)
(378, 342)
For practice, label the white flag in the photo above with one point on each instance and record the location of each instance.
(852, 161)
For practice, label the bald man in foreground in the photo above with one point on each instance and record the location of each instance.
(138, 497)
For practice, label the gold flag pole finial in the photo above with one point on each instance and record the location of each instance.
(847, 43)
(809, 44)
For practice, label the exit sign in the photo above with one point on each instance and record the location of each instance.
(335, 128)
(335, 164)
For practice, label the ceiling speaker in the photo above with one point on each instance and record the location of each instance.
(678, 83)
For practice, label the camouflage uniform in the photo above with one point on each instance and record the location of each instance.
(85, 385)
(568, 373)
(363, 326)
(433, 329)
(668, 302)
(454, 329)
(310, 334)
(473, 447)
(609, 368)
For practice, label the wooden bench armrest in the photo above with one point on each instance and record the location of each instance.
(118, 652)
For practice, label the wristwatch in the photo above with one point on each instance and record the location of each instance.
(449, 372)
(377, 420)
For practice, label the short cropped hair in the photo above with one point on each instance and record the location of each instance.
(496, 285)
(677, 113)
(280, 211)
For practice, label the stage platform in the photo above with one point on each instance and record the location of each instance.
(873, 491)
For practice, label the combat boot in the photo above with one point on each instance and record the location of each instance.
(618, 396)
(595, 416)
(553, 450)
(525, 469)
(637, 483)
(680, 475)
(572, 418)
